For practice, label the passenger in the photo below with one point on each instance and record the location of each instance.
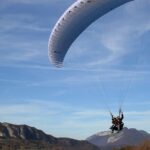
(117, 124)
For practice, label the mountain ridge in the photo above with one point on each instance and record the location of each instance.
(127, 137)
(22, 137)
(25, 132)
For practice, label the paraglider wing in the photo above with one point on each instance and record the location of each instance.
(73, 22)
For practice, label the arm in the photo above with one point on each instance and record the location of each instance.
(122, 116)
(120, 112)
(111, 115)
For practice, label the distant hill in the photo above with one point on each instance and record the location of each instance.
(24, 132)
(23, 137)
(127, 137)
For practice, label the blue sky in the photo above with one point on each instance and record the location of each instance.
(108, 65)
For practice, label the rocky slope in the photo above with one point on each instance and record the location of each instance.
(24, 132)
(127, 137)
(23, 137)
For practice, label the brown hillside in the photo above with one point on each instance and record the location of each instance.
(61, 144)
(144, 146)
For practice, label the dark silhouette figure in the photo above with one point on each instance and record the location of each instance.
(117, 122)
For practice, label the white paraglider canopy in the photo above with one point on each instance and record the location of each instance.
(73, 22)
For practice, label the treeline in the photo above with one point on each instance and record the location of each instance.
(144, 146)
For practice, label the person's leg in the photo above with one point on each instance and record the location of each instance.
(121, 126)
(112, 129)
